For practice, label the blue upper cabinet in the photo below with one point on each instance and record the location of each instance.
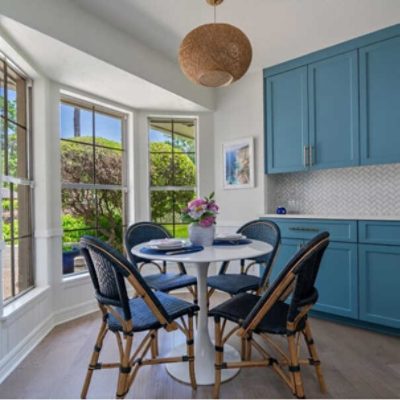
(379, 102)
(333, 112)
(286, 120)
(337, 107)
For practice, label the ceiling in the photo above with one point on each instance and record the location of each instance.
(76, 69)
(278, 29)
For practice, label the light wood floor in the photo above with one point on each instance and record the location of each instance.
(357, 364)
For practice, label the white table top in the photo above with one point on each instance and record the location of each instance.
(212, 253)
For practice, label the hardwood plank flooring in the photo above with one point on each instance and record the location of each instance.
(356, 364)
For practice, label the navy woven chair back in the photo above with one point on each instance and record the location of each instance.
(107, 269)
(306, 274)
(143, 232)
(297, 278)
(265, 231)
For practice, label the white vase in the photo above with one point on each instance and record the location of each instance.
(201, 236)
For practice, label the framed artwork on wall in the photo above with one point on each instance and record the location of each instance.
(238, 156)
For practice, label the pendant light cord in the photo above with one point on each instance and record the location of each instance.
(215, 13)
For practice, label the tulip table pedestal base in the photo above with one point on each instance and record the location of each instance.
(204, 348)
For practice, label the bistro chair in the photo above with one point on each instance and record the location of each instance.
(163, 281)
(124, 317)
(269, 314)
(266, 231)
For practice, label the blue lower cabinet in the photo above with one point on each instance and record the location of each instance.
(337, 281)
(379, 284)
(287, 249)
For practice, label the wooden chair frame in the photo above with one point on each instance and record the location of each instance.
(131, 361)
(279, 360)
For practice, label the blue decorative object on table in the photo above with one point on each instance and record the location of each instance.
(227, 242)
(281, 210)
(181, 250)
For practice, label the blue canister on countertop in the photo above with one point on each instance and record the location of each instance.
(281, 210)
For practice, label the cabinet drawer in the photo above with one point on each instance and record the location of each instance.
(379, 232)
(339, 230)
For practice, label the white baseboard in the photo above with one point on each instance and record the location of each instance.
(21, 351)
(18, 353)
(79, 310)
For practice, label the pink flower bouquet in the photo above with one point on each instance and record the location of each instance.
(202, 211)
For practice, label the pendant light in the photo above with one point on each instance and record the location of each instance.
(216, 54)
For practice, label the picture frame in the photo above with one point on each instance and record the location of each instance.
(238, 167)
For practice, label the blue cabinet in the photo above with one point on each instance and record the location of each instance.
(359, 276)
(336, 107)
(287, 249)
(379, 284)
(287, 120)
(339, 230)
(379, 102)
(337, 281)
(333, 112)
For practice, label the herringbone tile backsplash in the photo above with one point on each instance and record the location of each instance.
(360, 191)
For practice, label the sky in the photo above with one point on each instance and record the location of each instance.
(106, 126)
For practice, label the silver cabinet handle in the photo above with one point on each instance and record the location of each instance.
(299, 228)
(310, 155)
(306, 156)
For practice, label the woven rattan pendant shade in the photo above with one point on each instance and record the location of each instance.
(215, 55)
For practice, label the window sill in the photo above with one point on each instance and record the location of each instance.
(18, 306)
(76, 280)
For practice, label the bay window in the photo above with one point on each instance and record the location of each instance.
(93, 177)
(173, 174)
(16, 178)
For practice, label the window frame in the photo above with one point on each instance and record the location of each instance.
(173, 188)
(94, 108)
(27, 181)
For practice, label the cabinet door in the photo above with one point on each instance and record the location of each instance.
(287, 249)
(286, 121)
(379, 284)
(379, 102)
(333, 111)
(337, 280)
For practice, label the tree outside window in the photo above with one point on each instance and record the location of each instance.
(93, 176)
(172, 149)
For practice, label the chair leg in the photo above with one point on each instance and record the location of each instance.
(209, 294)
(94, 359)
(154, 345)
(243, 348)
(219, 357)
(312, 350)
(125, 368)
(294, 368)
(248, 346)
(190, 350)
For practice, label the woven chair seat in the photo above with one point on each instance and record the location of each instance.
(142, 317)
(234, 283)
(239, 307)
(169, 281)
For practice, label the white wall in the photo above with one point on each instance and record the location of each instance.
(240, 114)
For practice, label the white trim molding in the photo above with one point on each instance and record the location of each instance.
(48, 233)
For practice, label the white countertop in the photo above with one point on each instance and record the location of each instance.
(351, 217)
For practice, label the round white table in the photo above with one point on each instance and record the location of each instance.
(204, 349)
